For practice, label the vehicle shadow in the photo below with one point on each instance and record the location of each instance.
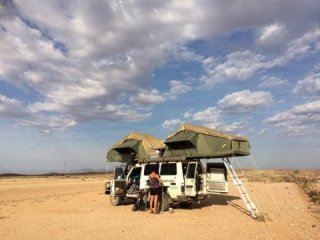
(218, 199)
(221, 199)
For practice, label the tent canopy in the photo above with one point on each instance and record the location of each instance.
(191, 141)
(135, 146)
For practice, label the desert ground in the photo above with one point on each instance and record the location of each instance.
(75, 207)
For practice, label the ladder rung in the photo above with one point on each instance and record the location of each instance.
(238, 183)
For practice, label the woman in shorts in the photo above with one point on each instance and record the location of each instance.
(155, 182)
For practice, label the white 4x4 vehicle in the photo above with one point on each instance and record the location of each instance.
(184, 182)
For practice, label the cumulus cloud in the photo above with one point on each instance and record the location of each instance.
(311, 107)
(210, 115)
(213, 118)
(171, 123)
(237, 66)
(310, 85)
(300, 120)
(11, 108)
(244, 101)
(93, 60)
(147, 97)
(178, 88)
(272, 35)
(270, 82)
(241, 65)
(14, 109)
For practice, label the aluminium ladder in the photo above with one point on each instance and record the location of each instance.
(243, 193)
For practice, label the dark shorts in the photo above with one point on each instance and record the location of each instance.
(154, 191)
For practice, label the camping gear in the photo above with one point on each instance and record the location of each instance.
(191, 141)
(141, 203)
(135, 146)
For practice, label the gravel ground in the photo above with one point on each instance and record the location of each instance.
(76, 208)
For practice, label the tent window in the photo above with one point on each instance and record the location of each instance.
(168, 169)
(151, 167)
(180, 145)
(125, 151)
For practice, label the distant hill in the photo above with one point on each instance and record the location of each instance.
(70, 172)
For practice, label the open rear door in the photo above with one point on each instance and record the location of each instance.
(191, 179)
(119, 182)
(217, 181)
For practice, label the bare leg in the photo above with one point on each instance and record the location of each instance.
(155, 204)
(151, 202)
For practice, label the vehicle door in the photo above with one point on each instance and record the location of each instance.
(216, 178)
(172, 178)
(118, 184)
(133, 180)
(191, 179)
(146, 170)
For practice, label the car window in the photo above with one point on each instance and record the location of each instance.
(191, 170)
(151, 167)
(168, 169)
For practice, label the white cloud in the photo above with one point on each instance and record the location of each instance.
(300, 120)
(242, 65)
(210, 114)
(213, 118)
(270, 32)
(244, 101)
(263, 131)
(311, 107)
(14, 109)
(238, 65)
(272, 35)
(309, 86)
(233, 127)
(147, 97)
(178, 88)
(270, 82)
(85, 59)
(187, 114)
(170, 124)
(45, 123)
(11, 108)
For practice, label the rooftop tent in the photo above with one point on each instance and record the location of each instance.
(135, 146)
(191, 141)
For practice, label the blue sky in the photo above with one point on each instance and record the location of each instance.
(76, 76)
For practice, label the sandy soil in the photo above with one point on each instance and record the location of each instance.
(77, 208)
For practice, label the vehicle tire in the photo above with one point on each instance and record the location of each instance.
(115, 200)
(164, 202)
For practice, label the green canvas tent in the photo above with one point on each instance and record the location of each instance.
(135, 146)
(191, 141)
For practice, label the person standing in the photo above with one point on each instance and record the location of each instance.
(155, 182)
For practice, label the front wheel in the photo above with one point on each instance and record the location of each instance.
(115, 200)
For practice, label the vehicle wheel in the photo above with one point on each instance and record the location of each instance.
(164, 202)
(115, 200)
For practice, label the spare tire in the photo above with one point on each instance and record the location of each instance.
(164, 201)
(115, 200)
